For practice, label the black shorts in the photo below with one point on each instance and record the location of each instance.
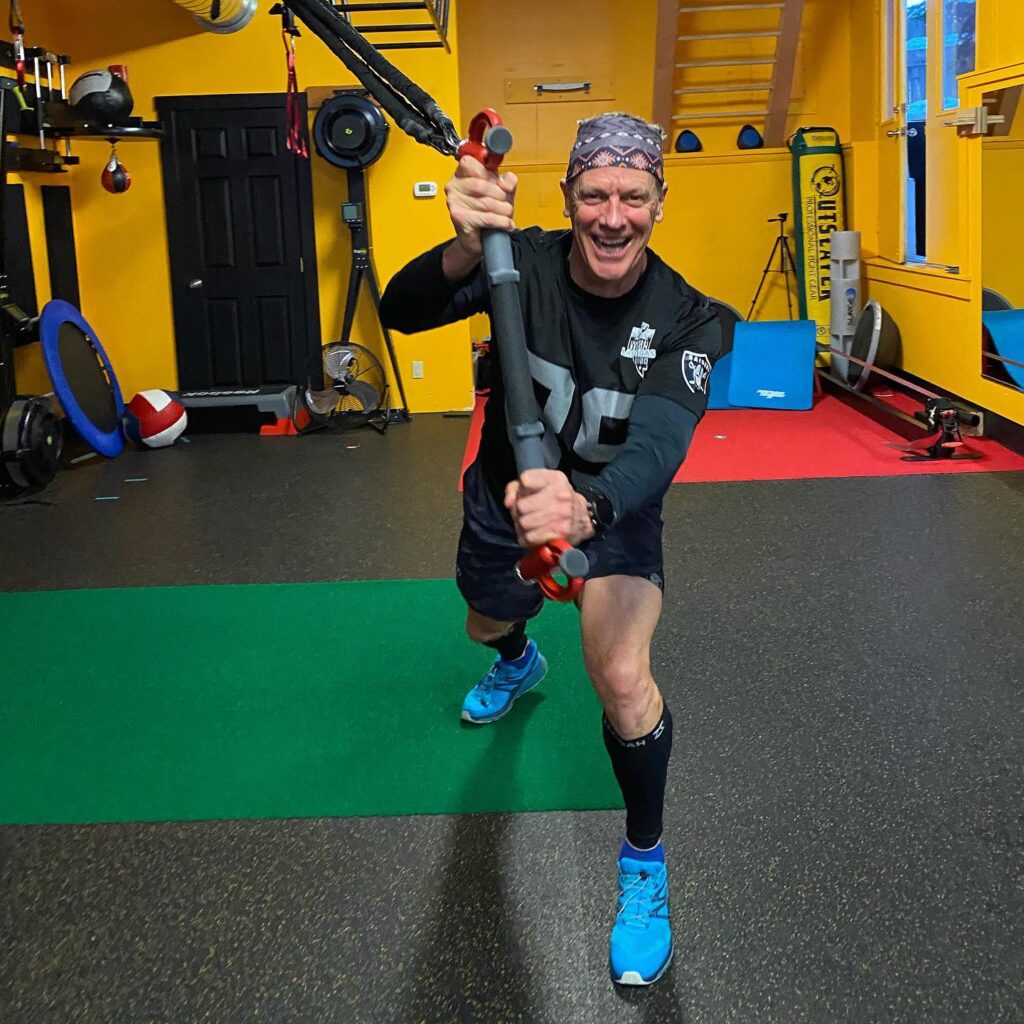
(488, 553)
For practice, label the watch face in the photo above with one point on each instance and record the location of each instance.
(605, 510)
(602, 512)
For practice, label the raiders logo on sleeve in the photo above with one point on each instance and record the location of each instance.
(696, 371)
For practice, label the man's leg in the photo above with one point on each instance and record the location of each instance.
(618, 618)
(499, 603)
(518, 668)
(492, 633)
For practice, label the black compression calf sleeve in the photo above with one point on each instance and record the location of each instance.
(641, 768)
(513, 644)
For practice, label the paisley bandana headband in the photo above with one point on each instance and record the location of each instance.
(617, 140)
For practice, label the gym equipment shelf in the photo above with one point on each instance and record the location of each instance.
(49, 116)
(59, 122)
(44, 161)
(141, 132)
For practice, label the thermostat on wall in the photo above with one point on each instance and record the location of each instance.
(425, 189)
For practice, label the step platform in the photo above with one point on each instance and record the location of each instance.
(272, 407)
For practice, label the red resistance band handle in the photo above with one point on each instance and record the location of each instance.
(475, 145)
(537, 566)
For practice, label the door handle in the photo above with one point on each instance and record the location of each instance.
(543, 87)
(196, 283)
(899, 133)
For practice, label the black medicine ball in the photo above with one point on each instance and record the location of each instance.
(101, 97)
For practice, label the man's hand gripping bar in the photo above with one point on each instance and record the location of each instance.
(489, 140)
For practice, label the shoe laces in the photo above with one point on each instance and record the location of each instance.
(494, 679)
(640, 898)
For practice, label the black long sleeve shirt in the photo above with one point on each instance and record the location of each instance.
(621, 383)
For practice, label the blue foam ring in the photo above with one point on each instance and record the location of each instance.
(688, 142)
(749, 138)
(55, 314)
(773, 365)
(1006, 329)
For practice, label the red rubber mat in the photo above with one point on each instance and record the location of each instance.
(834, 439)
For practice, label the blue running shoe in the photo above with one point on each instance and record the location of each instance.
(641, 943)
(497, 691)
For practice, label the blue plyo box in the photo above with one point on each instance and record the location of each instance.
(773, 365)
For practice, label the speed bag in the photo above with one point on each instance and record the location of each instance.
(820, 204)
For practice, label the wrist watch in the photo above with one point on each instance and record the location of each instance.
(599, 507)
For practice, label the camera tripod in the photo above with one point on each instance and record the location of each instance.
(787, 265)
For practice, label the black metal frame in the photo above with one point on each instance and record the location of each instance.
(14, 321)
(438, 11)
(38, 434)
(355, 213)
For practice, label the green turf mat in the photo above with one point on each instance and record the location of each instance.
(277, 701)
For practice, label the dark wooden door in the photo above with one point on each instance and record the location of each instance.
(242, 252)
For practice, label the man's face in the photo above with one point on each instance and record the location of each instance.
(613, 211)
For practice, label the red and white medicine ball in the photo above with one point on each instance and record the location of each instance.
(154, 419)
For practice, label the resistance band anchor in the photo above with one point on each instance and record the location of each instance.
(940, 415)
(293, 110)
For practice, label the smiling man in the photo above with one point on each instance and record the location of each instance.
(621, 350)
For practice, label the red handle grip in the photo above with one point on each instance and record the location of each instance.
(476, 144)
(539, 564)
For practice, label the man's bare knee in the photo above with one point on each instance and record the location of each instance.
(618, 678)
(627, 691)
(481, 629)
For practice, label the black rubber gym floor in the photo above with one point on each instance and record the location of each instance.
(845, 834)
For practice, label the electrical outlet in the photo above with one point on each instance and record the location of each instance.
(417, 369)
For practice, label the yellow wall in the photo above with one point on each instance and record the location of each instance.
(1000, 33)
(122, 240)
(546, 42)
(715, 231)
